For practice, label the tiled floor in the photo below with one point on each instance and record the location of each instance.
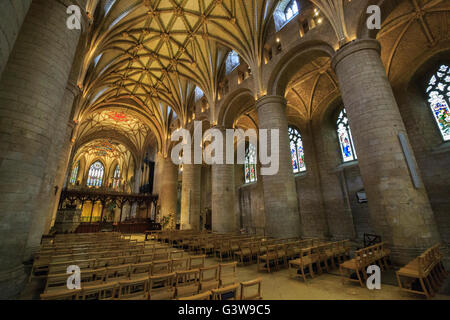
(279, 285)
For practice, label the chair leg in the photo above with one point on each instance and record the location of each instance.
(424, 288)
(359, 278)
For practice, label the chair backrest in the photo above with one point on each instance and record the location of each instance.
(201, 296)
(133, 289)
(180, 264)
(196, 262)
(106, 291)
(161, 267)
(210, 273)
(249, 285)
(227, 273)
(161, 286)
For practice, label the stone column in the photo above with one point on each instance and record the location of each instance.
(168, 188)
(280, 198)
(223, 195)
(12, 14)
(31, 91)
(401, 213)
(190, 197)
(158, 173)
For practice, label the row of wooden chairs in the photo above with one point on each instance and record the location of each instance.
(425, 274)
(41, 264)
(105, 273)
(377, 254)
(219, 280)
(318, 258)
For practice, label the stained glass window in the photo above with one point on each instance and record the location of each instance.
(232, 62)
(116, 178)
(95, 176)
(74, 175)
(297, 152)
(291, 10)
(250, 164)
(345, 138)
(439, 99)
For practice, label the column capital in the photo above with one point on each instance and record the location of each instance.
(352, 47)
(270, 99)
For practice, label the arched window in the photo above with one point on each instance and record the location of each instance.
(297, 152)
(116, 178)
(291, 10)
(439, 99)
(232, 62)
(250, 164)
(95, 176)
(74, 175)
(345, 138)
(284, 12)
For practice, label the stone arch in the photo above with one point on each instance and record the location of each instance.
(291, 63)
(237, 102)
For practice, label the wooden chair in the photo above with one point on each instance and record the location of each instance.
(304, 263)
(268, 258)
(117, 273)
(209, 278)
(356, 265)
(187, 283)
(140, 270)
(227, 273)
(201, 296)
(161, 267)
(107, 291)
(244, 253)
(424, 275)
(197, 262)
(226, 293)
(133, 289)
(180, 264)
(161, 286)
(249, 284)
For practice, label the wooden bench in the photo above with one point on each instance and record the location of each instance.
(424, 275)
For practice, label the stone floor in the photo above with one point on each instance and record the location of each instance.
(279, 285)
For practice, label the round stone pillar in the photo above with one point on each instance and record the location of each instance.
(12, 14)
(158, 173)
(31, 94)
(280, 197)
(400, 212)
(168, 182)
(223, 194)
(190, 197)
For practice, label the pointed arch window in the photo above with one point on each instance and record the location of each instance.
(346, 145)
(250, 164)
(74, 175)
(297, 152)
(95, 175)
(232, 61)
(439, 99)
(116, 178)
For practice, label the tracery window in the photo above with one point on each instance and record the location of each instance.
(250, 164)
(297, 152)
(95, 175)
(345, 138)
(116, 178)
(439, 99)
(74, 175)
(232, 61)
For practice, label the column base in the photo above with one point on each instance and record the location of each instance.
(12, 282)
